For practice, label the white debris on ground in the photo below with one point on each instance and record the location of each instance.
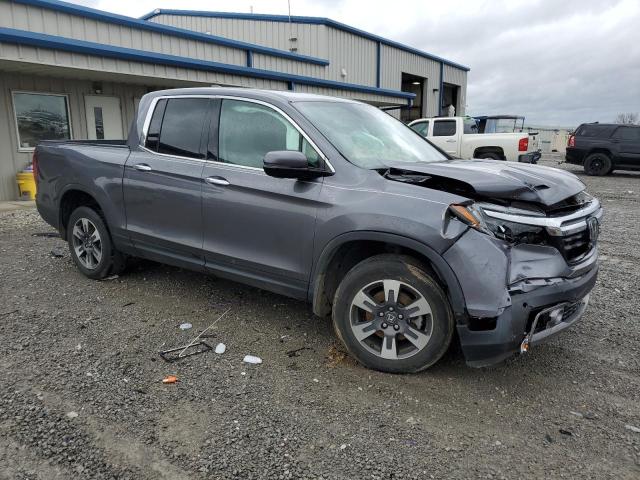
(220, 348)
(185, 326)
(252, 359)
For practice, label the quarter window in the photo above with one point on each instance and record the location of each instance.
(176, 127)
(248, 131)
(41, 116)
(444, 128)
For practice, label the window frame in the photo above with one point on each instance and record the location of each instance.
(15, 114)
(215, 125)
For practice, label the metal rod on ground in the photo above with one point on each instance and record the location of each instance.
(196, 339)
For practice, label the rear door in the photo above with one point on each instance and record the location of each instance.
(628, 140)
(258, 229)
(446, 137)
(163, 183)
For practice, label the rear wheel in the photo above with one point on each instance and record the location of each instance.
(392, 315)
(90, 245)
(598, 164)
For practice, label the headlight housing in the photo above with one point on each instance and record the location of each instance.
(473, 215)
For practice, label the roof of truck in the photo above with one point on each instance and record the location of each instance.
(255, 93)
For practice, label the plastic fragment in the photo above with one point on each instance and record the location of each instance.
(185, 326)
(170, 379)
(220, 348)
(252, 359)
(72, 414)
(632, 428)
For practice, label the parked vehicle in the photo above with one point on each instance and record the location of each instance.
(460, 138)
(334, 202)
(604, 147)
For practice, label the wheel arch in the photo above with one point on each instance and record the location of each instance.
(489, 149)
(604, 150)
(345, 251)
(73, 197)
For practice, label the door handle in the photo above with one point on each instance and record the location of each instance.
(217, 181)
(142, 167)
(451, 141)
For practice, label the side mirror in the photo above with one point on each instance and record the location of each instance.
(290, 164)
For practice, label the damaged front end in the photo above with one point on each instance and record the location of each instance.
(526, 273)
(528, 259)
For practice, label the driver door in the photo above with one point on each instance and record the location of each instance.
(257, 229)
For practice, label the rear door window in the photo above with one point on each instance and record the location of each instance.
(180, 127)
(628, 134)
(444, 128)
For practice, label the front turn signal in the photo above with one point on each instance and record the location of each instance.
(464, 214)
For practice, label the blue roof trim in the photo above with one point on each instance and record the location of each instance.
(308, 20)
(168, 30)
(42, 40)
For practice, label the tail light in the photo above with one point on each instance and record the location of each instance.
(34, 163)
(572, 141)
(523, 144)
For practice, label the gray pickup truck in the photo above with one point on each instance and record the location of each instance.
(336, 203)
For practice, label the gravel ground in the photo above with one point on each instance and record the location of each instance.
(82, 395)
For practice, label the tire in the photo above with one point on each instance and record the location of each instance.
(91, 246)
(598, 164)
(385, 328)
(489, 156)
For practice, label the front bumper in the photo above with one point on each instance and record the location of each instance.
(505, 287)
(531, 157)
(487, 347)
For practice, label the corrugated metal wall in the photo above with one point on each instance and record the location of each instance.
(312, 39)
(34, 19)
(355, 54)
(395, 62)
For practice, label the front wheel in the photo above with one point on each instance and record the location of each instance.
(392, 315)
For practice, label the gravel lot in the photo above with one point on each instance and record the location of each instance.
(82, 393)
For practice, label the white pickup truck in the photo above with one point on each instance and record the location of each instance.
(459, 137)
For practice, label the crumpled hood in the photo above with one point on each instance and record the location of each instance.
(504, 180)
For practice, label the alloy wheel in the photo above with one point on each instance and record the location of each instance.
(87, 243)
(391, 319)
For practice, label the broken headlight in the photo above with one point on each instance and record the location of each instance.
(473, 214)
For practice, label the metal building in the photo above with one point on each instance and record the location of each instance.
(68, 71)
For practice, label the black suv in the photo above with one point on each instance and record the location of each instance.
(602, 148)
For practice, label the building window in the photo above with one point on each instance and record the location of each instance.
(41, 116)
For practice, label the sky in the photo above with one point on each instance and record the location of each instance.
(557, 62)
